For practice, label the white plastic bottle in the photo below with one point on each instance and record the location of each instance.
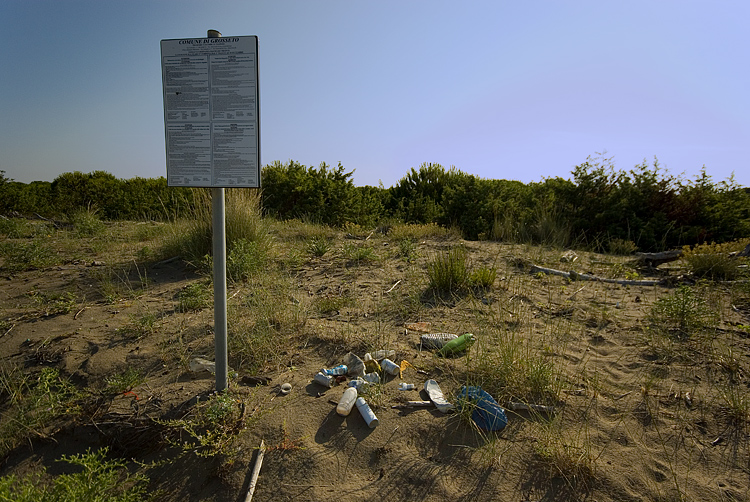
(367, 413)
(390, 367)
(346, 403)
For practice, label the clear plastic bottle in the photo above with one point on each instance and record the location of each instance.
(346, 403)
(382, 354)
(390, 367)
(367, 413)
(323, 379)
(341, 369)
(405, 386)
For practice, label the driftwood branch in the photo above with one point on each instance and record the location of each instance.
(575, 276)
(256, 471)
(656, 259)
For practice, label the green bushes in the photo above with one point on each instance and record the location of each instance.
(599, 208)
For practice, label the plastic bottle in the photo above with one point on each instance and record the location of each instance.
(324, 380)
(405, 386)
(372, 378)
(367, 413)
(436, 340)
(199, 364)
(341, 369)
(346, 403)
(390, 367)
(382, 354)
(460, 344)
(358, 383)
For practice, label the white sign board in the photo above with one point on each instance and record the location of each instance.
(211, 111)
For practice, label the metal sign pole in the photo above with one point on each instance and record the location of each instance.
(220, 278)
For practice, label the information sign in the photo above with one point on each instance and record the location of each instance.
(211, 111)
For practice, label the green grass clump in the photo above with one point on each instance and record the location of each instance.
(682, 314)
(245, 259)
(415, 231)
(86, 223)
(22, 256)
(713, 261)
(125, 381)
(100, 480)
(195, 296)
(449, 271)
(31, 404)
(359, 253)
(192, 237)
(318, 246)
(212, 426)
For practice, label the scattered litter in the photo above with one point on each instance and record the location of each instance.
(436, 396)
(371, 365)
(486, 413)
(405, 386)
(367, 413)
(381, 354)
(717, 441)
(405, 364)
(341, 369)
(458, 345)
(355, 365)
(531, 407)
(346, 403)
(390, 367)
(569, 257)
(372, 377)
(436, 340)
(286, 388)
(358, 383)
(324, 380)
(198, 364)
(424, 327)
(413, 404)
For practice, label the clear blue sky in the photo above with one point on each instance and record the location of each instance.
(500, 89)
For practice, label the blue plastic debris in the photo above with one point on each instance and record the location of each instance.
(486, 413)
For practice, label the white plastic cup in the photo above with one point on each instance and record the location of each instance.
(346, 403)
(324, 380)
(367, 413)
(390, 367)
(372, 377)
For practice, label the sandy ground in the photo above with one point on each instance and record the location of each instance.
(627, 425)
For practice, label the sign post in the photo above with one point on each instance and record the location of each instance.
(212, 133)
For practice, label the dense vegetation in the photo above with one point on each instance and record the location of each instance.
(600, 207)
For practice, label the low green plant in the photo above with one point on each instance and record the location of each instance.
(195, 296)
(22, 256)
(211, 427)
(359, 253)
(99, 480)
(51, 304)
(245, 258)
(416, 231)
(736, 402)
(86, 223)
(327, 305)
(565, 456)
(449, 271)
(263, 319)
(511, 370)
(125, 381)
(318, 246)
(483, 277)
(682, 314)
(407, 249)
(713, 261)
(33, 404)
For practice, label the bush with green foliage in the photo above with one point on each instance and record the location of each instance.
(99, 480)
